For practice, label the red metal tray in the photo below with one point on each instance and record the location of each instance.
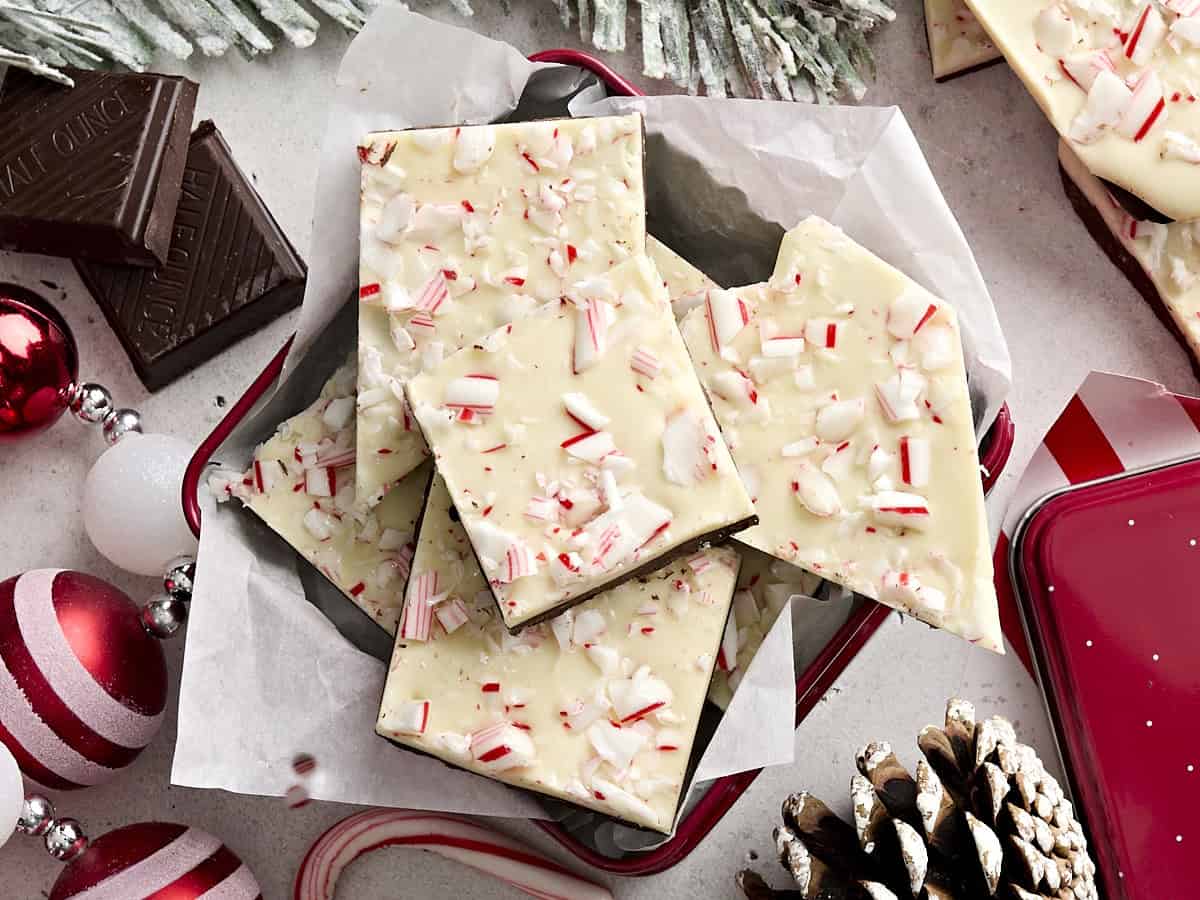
(813, 682)
(1114, 652)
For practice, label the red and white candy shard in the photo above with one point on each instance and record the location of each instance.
(816, 491)
(411, 718)
(637, 697)
(727, 315)
(461, 235)
(502, 746)
(862, 461)
(899, 395)
(583, 411)
(899, 509)
(477, 393)
(687, 448)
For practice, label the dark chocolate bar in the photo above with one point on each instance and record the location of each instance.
(92, 171)
(230, 270)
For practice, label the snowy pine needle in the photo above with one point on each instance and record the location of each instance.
(810, 50)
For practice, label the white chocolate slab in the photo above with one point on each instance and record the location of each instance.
(553, 693)
(891, 506)
(684, 282)
(1135, 151)
(957, 42)
(366, 555)
(573, 468)
(1168, 254)
(466, 229)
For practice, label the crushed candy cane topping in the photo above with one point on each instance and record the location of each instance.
(617, 467)
(611, 728)
(870, 458)
(301, 482)
(464, 230)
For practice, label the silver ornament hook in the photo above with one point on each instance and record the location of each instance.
(93, 403)
(64, 838)
(164, 614)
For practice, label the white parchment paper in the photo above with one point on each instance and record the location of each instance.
(267, 671)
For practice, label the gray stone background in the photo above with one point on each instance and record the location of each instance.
(1064, 309)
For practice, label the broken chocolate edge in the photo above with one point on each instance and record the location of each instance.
(156, 373)
(1124, 261)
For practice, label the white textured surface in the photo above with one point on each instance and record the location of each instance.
(1064, 308)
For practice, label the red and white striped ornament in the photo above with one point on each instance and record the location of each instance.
(82, 684)
(156, 859)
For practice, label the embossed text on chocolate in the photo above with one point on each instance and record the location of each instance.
(29, 164)
(169, 284)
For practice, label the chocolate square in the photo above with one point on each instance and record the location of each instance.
(230, 270)
(92, 171)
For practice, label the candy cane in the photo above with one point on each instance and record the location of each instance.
(451, 836)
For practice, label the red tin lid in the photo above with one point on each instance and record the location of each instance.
(1106, 574)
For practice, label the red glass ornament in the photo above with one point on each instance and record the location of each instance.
(82, 685)
(38, 362)
(160, 860)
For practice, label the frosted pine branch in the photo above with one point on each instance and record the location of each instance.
(811, 50)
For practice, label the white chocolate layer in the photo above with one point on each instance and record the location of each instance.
(1169, 254)
(553, 693)
(466, 229)
(843, 397)
(684, 282)
(310, 504)
(957, 41)
(580, 446)
(1079, 59)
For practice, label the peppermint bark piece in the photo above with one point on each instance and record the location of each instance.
(841, 389)
(301, 483)
(466, 229)
(684, 282)
(1117, 80)
(958, 44)
(597, 708)
(1162, 261)
(578, 446)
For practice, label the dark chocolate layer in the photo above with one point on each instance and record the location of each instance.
(230, 270)
(1125, 261)
(712, 538)
(1135, 205)
(92, 171)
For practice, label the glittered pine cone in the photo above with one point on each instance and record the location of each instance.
(982, 818)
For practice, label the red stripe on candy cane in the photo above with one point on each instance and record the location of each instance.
(451, 836)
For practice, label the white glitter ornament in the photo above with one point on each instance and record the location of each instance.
(131, 506)
(12, 794)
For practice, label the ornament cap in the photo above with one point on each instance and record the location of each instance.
(37, 815)
(65, 840)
